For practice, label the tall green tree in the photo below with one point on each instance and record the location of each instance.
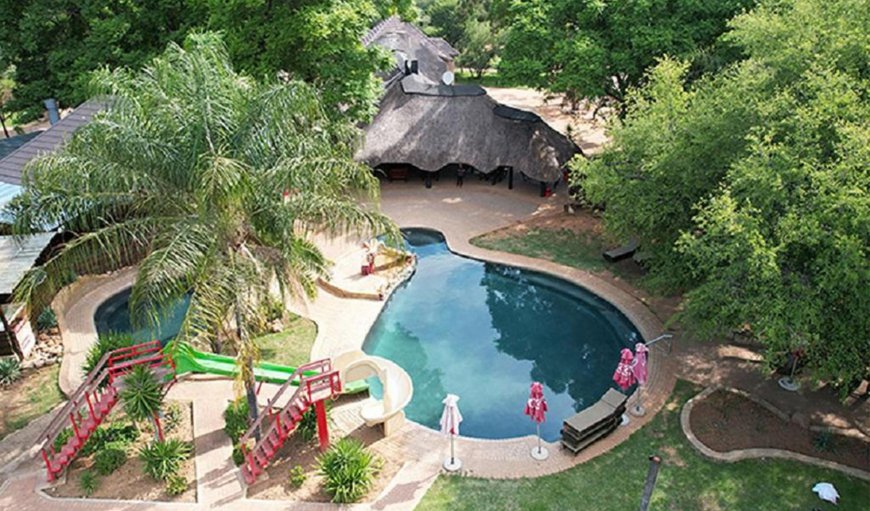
(54, 44)
(212, 181)
(595, 49)
(318, 41)
(751, 189)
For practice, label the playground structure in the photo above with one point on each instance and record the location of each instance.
(94, 400)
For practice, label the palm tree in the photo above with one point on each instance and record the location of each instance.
(142, 396)
(208, 179)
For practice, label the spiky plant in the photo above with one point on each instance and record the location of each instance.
(208, 179)
(142, 396)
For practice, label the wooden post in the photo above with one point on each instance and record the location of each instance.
(322, 426)
(510, 178)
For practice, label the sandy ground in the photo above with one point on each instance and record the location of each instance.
(129, 482)
(296, 452)
(587, 132)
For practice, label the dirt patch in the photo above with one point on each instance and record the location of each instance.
(297, 452)
(725, 421)
(129, 482)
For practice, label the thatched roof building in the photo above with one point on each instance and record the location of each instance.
(428, 124)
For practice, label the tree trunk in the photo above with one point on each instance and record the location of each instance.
(250, 384)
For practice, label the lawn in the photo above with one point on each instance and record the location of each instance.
(35, 394)
(581, 249)
(687, 481)
(292, 346)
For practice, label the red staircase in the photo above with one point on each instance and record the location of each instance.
(317, 382)
(96, 397)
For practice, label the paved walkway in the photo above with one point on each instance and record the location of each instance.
(461, 214)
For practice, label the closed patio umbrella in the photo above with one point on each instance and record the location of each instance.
(536, 408)
(640, 372)
(623, 376)
(450, 420)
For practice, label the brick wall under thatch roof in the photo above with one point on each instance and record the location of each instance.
(432, 131)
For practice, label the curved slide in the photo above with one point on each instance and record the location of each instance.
(355, 367)
(189, 360)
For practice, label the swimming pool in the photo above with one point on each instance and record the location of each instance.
(113, 315)
(485, 331)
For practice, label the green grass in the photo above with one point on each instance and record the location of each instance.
(687, 481)
(32, 396)
(292, 346)
(563, 246)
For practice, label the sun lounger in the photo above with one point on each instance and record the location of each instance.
(620, 253)
(599, 420)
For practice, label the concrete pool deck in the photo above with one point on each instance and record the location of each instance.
(460, 214)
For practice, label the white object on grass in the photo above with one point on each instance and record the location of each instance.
(827, 492)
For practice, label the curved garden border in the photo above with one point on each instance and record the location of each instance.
(759, 452)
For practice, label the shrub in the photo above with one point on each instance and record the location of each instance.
(307, 427)
(176, 484)
(89, 483)
(62, 439)
(297, 476)
(108, 459)
(823, 441)
(120, 433)
(349, 469)
(163, 459)
(105, 343)
(172, 416)
(46, 319)
(10, 370)
(142, 394)
(238, 455)
(236, 418)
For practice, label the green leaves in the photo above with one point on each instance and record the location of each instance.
(142, 394)
(349, 469)
(750, 189)
(163, 459)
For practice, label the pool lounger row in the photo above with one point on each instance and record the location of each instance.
(599, 420)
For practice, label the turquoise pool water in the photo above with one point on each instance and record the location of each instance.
(113, 315)
(485, 331)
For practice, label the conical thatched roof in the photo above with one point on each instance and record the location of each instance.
(409, 43)
(433, 126)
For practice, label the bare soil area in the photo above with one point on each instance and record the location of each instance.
(130, 482)
(587, 131)
(296, 452)
(725, 421)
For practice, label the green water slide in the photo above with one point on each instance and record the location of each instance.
(189, 360)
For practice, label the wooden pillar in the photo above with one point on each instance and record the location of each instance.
(510, 178)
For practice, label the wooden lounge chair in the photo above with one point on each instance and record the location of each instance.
(599, 420)
(620, 253)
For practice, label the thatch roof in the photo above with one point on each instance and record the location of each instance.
(430, 131)
(408, 43)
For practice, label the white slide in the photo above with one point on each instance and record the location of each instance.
(398, 388)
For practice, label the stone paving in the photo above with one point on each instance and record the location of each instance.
(461, 214)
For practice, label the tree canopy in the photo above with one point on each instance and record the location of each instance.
(211, 181)
(751, 188)
(594, 49)
(55, 44)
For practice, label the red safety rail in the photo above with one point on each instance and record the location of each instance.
(92, 402)
(317, 382)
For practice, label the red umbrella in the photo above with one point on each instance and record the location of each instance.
(623, 376)
(536, 408)
(638, 368)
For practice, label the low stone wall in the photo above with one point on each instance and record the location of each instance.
(746, 454)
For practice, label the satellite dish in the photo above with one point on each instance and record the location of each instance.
(447, 78)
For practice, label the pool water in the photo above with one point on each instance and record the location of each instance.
(485, 331)
(113, 315)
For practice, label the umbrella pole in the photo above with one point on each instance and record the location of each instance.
(452, 456)
(539, 437)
